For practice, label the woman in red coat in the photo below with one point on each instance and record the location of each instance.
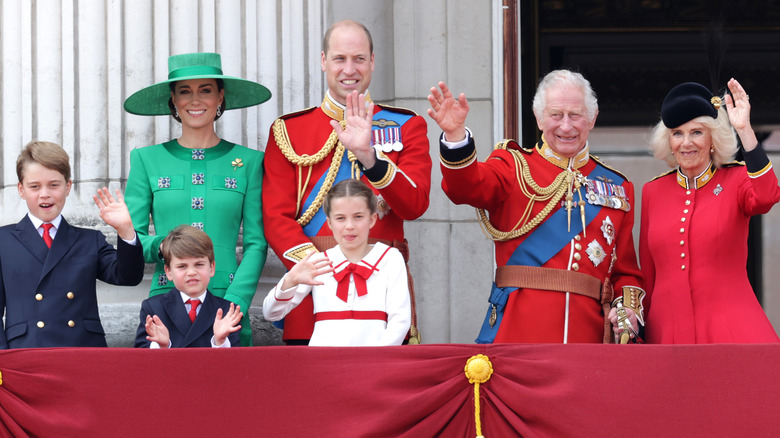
(694, 224)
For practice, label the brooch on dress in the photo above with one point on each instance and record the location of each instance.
(717, 190)
(237, 163)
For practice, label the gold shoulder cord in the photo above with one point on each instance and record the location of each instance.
(552, 193)
(283, 141)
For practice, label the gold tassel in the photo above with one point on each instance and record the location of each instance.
(478, 370)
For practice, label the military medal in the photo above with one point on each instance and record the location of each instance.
(382, 207)
(595, 253)
(396, 135)
(607, 194)
(608, 229)
(387, 140)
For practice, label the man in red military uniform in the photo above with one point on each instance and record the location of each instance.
(560, 219)
(310, 150)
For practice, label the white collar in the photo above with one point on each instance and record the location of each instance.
(38, 222)
(340, 262)
(185, 297)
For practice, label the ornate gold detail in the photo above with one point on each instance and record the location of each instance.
(297, 253)
(552, 194)
(283, 140)
(716, 102)
(414, 336)
(633, 297)
(461, 163)
(478, 370)
(237, 163)
(386, 179)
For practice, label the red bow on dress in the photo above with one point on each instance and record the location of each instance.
(363, 272)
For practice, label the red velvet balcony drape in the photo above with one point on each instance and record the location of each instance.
(419, 391)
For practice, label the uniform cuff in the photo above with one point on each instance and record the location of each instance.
(756, 161)
(459, 156)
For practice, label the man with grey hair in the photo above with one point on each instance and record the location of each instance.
(560, 219)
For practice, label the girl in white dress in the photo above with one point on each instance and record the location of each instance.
(360, 290)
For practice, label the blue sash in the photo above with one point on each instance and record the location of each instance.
(542, 244)
(318, 221)
(319, 218)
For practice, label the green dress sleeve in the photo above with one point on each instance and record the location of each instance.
(242, 289)
(138, 197)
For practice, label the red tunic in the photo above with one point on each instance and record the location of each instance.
(604, 251)
(402, 181)
(693, 250)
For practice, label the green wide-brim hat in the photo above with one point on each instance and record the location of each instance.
(153, 100)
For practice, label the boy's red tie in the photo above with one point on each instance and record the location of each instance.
(193, 309)
(46, 236)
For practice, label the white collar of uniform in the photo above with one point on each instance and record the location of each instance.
(340, 262)
(38, 222)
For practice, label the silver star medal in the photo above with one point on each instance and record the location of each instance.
(595, 253)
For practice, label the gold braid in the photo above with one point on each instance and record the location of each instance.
(554, 192)
(283, 141)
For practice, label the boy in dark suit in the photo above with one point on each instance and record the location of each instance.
(188, 315)
(48, 267)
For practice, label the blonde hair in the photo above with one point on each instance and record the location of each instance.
(724, 139)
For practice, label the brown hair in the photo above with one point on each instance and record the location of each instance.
(326, 39)
(350, 187)
(186, 241)
(47, 154)
(172, 107)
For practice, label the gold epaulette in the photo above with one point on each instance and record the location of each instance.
(283, 141)
(598, 160)
(664, 174)
(298, 113)
(508, 144)
(397, 109)
(733, 163)
(550, 194)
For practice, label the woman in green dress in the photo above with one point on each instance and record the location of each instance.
(200, 179)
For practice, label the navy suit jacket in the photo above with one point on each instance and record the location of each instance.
(49, 295)
(183, 333)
